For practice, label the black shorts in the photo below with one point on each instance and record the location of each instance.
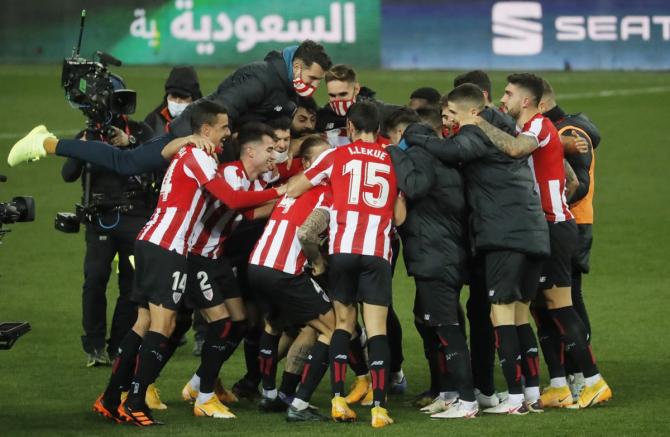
(511, 276)
(360, 278)
(557, 269)
(437, 302)
(238, 248)
(210, 282)
(160, 276)
(287, 300)
(581, 258)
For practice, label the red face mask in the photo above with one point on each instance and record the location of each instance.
(448, 132)
(341, 106)
(301, 88)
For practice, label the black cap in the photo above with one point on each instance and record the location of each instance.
(183, 81)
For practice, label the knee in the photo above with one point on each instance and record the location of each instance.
(375, 328)
(558, 298)
(345, 318)
(142, 323)
(163, 325)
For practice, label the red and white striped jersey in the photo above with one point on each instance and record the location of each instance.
(279, 247)
(364, 192)
(182, 200)
(218, 220)
(546, 163)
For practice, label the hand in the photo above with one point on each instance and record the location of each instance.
(202, 143)
(281, 190)
(574, 144)
(119, 138)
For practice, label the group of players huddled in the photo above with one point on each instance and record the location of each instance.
(299, 228)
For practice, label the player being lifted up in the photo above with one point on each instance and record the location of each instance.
(365, 204)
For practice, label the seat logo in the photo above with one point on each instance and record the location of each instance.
(517, 30)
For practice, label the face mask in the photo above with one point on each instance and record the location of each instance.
(281, 156)
(175, 108)
(301, 88)
(341, 106)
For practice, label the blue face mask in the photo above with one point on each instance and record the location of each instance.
(402, 145)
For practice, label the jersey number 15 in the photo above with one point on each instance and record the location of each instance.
(372, 176)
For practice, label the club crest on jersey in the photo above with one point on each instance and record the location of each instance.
(176, 297)
(209, 294)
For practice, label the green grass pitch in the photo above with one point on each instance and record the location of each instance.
(46, 390)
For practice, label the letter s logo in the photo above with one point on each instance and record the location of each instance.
(515, 29)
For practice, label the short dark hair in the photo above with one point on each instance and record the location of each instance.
(309, 104)
(468, 92)
(310, 52)
(254, 132)
(478, 77)
(429, 94)
(530, 82)
(342, 72)
(280, 123)
(547, 89)
(204, 111)
(431, 116)
(364, 116)
(400, 117)
(310, 142)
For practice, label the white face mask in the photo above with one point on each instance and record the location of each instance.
(281, 156)
(175, 108)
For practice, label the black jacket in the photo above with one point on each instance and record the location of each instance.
(434, 234)
(111, 187)
(506, 210)
(259, 91)
(158, 120)
(580, 124)
(183, 81)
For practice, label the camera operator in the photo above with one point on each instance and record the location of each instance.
(117, 208)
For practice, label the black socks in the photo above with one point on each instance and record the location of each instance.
(339, 352)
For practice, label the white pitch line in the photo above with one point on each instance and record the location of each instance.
(614, 93)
